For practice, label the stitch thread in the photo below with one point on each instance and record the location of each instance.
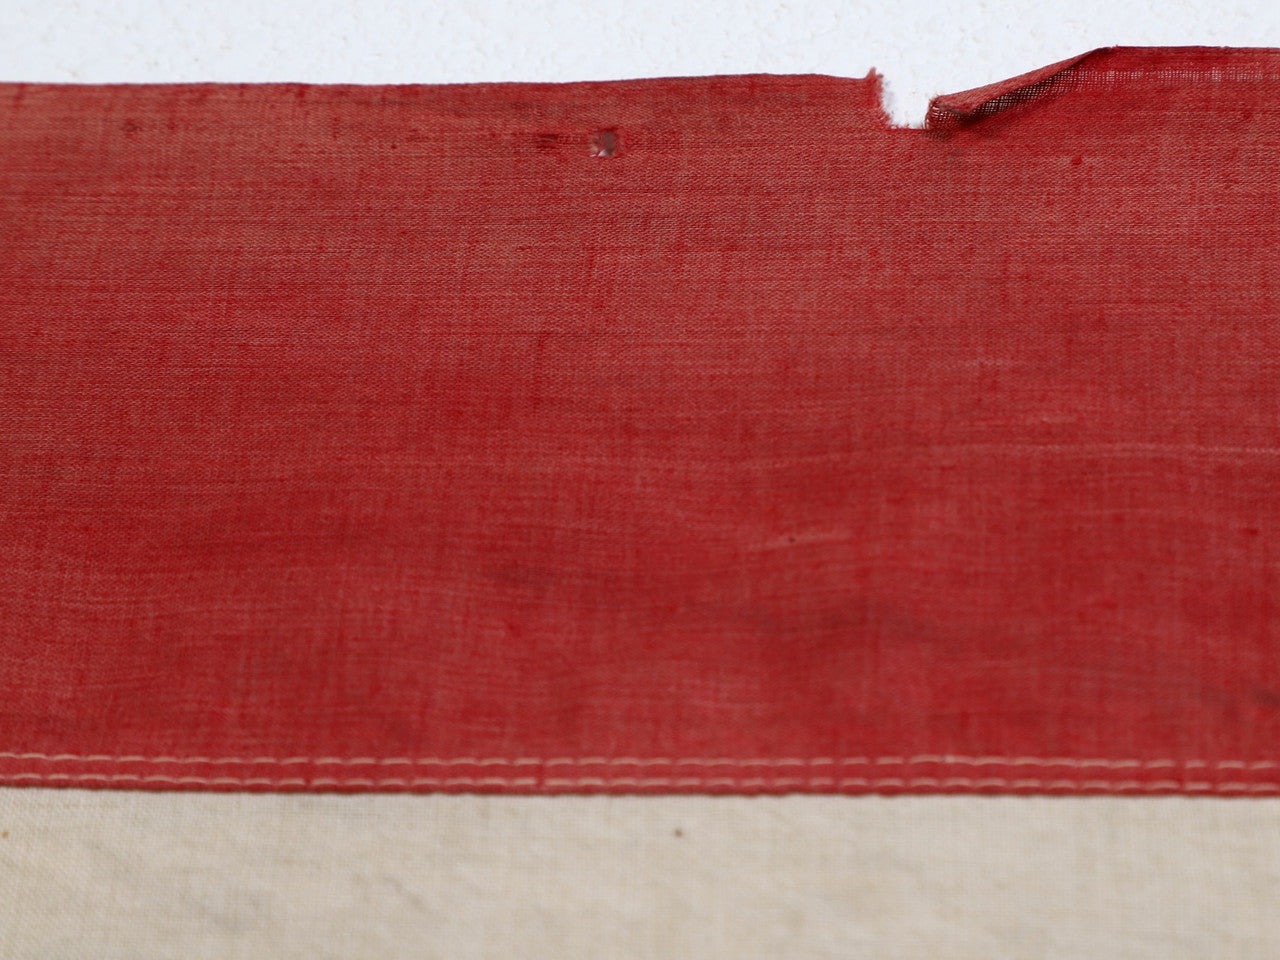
(918, 760)
(1123, 786)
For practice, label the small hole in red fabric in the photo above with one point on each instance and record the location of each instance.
(605, 143)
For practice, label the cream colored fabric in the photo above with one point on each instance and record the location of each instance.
(140, 875)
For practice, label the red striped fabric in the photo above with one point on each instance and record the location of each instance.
(666, 435)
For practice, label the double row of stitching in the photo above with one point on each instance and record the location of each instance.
(1079, 785)
(597, 761)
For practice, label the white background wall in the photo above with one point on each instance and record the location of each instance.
(921, 48)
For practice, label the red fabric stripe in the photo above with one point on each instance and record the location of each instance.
(702, 434)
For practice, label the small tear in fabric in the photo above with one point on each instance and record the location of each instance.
(605, 143)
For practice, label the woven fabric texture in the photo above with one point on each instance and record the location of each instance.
(693, 434)
(133, 875)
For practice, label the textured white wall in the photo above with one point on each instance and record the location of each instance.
(921, 48)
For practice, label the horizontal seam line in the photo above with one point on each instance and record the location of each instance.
(642, 782)
(903, 761)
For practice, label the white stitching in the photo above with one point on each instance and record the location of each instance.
(1123, 786)
(918, 760)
